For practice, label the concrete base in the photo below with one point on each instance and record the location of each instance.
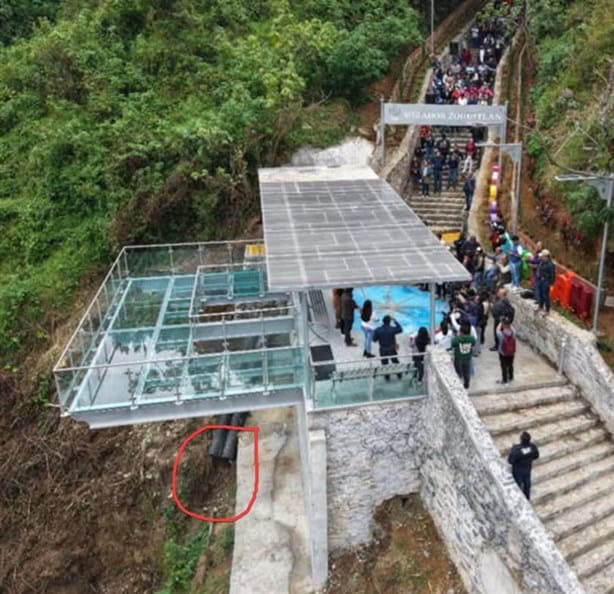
(271, 551)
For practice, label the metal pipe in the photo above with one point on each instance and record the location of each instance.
(432, 309)
(433, 28)
(517, 191)
(604, 247)
(382, 132)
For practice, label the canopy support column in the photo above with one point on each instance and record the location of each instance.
(432, 308)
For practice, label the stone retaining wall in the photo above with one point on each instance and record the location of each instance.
(495, 539)
(581, 361)
(371, 456)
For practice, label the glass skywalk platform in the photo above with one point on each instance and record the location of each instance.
(199, 329)
(159, 343)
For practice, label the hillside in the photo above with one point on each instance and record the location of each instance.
(571, 110)
(127, 121)
(141, 120)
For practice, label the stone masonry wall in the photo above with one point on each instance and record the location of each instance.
(493, 536)
(581, 362)
(371, 456)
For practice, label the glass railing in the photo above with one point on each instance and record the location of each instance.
(178, 379)
(340, 383)
(185, 258)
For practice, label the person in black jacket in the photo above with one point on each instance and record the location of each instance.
(348, 305)
(521, 458)
(544, 279)
(385, 335)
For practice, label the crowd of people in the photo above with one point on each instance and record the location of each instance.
(462, 330)
(468, 79)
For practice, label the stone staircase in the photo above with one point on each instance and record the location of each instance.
(445, 211)
(573, 479)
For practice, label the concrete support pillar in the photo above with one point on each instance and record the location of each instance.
(318, 513)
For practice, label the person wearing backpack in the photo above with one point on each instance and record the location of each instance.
(507, 350)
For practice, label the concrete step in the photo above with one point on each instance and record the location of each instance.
(549, 432)
(432, 203)
(578, 498)
(569, 481)
(526, 419)
(491, 404)
(441, 219)
(587, 539)
(435, 212)
(418, 199)
(580, 458)
(446, 228)
(594, 560)
(601, 582)
(577, 519)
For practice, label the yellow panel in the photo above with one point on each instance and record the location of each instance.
(254, 250)
(450, 237)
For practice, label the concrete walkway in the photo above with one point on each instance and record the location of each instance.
(530, 368)
(271, 554)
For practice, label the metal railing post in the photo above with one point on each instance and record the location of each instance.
(178, 400)
(561, 362)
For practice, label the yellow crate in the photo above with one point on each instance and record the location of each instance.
(255, 250)
(451, 237)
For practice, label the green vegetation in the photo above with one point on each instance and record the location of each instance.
(145, 120)
(180, 560)
(573, 100)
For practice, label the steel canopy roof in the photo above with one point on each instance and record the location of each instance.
(328, 227)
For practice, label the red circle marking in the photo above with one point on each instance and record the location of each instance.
(185, 442)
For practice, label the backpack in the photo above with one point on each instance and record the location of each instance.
(508, 345)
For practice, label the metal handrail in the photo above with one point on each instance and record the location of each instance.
(154, 246)
(224, 314)
(175, 359)
(91, 305)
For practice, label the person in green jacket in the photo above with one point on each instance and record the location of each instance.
(462, 345)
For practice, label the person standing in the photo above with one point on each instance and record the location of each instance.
(515, 257)
(479, 262)
(462, 346)
(437, 172)
(502, 308)
(534, 263)
(425, 172)
(443, 336)
(385, 335)
(469, 189)
(414, 171)
(337, 307)
(544, 279)
(483, 313)
(521, 459)
(368, 322)
(453, 163)
(507, 350)
(419, 342)
(348, 305)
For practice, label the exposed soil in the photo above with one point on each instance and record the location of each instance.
(83, 511)
(406, 557)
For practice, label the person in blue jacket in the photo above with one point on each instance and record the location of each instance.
(521, 458)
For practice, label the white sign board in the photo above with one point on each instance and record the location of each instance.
(444, 115)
